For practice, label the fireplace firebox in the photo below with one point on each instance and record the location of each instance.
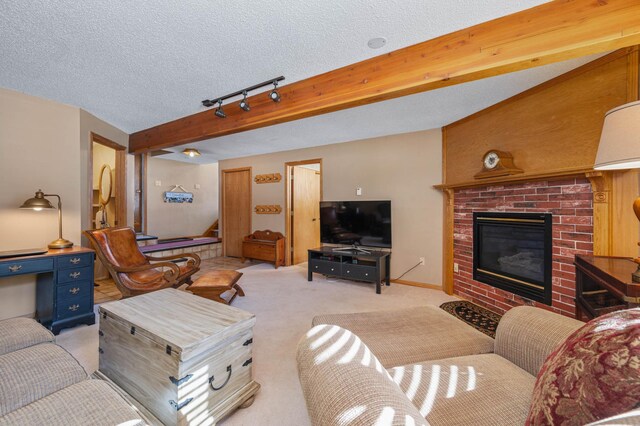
(513, 252)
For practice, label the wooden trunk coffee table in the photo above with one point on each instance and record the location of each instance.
(183, 357)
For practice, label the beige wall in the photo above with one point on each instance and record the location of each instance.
(400, 168)
(40, 147)
(168, 220)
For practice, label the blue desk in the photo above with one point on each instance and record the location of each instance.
(64, 285)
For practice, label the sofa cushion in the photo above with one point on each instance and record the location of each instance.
(410, 336)
(594, 374)
(20, 333)
(468, 390)
(343, 382)
(35, 372)
(90, 402)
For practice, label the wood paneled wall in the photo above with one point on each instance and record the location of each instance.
(553, 130)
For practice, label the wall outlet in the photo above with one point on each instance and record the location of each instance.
(158, 183)
(422, 260)
(358, 191)
(455, 267)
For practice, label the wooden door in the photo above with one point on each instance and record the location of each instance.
(236, 209)
(305, 204)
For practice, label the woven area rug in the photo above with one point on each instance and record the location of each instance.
(476, 316)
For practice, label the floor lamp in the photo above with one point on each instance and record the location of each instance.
(620, 148)
(39, 202)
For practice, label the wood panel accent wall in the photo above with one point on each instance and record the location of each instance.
(552, 130)
(553, 127)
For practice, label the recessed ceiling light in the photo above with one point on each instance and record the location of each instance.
(377, 43)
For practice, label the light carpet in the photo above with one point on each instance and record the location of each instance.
(284, 303)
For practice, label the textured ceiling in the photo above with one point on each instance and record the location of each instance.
(136, 64)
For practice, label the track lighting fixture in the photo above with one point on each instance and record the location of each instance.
(219, 112)
(274, 95)
(244, 105)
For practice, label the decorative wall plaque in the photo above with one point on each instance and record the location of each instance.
(271, 209)
(268, 178)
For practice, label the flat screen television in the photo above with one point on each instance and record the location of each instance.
(359, 223)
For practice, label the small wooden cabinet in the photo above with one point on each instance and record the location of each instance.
(603, 285)
(264, 245)
(185, 358)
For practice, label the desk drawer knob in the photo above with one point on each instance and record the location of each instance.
(74, 290)
(74, 275)
(74, 308)
(348, 272)
(15, 268)
(75, 260)
(316, 266)
(331, 269)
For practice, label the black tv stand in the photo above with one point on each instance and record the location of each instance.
(351, 263)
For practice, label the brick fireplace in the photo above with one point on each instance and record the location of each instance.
(570, 203)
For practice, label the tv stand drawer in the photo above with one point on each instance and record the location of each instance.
(326, 267)
(359, 272)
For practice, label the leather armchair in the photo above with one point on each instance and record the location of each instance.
(131, 269)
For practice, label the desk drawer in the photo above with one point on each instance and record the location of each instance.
(75, 274)
(75, 289)
(358, 272)
(26, 267)
(327, 268)
(75, 261)
(71, 307)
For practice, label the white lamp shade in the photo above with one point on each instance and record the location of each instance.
(620, 141)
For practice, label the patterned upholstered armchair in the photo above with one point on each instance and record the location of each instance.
(131, 269)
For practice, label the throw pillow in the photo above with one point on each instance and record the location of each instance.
(594, 374)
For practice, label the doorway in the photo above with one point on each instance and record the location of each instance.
(302, 211)
(107, 174)
(236, 209)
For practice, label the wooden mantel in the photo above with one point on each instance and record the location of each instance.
(551, 32)
(526, 177)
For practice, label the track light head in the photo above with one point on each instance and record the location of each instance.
(244, 104)
(219, 112)
(274, 95)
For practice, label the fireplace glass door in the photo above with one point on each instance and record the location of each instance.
(512, 251)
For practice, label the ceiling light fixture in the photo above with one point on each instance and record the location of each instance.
(274, 95)
(191, 152)
(219, 112)
(244, 105)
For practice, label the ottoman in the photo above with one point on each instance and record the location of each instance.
(213, 284)
(412, 335)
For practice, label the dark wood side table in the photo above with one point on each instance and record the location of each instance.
(603, 285)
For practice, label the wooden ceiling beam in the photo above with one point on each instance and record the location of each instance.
(552, 32)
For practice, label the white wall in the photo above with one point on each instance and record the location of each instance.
(40, 148)
(168, 220)
(401, 168)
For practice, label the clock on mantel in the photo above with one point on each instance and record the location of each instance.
(497, 163)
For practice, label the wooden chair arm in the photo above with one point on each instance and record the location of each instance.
(195, 259)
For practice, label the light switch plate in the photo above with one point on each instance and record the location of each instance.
(196, 186)
(358, 191)
(158, 183)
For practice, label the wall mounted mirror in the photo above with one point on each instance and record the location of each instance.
(105, 185)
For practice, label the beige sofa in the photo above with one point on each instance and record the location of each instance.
(420, 367)
(42, 384)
